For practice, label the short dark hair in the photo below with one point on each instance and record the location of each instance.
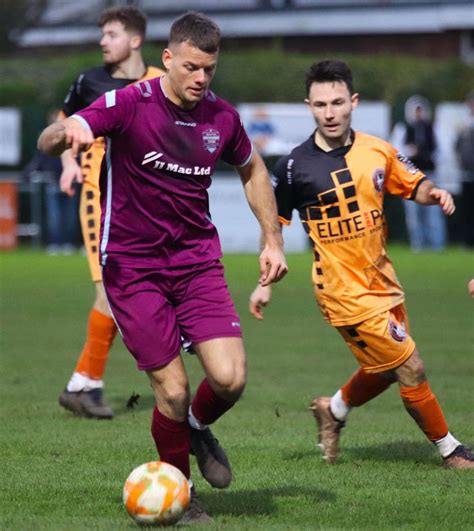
(131, 17)
(329, 70)
(198, 30)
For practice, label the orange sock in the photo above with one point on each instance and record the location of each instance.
(422, 405)
(362, 387)
(101, 332)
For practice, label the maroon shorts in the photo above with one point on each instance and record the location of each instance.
(153, 309)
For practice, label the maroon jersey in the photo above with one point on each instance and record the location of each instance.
(154, 177)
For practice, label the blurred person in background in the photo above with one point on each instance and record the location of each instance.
(465, 152)
(62, 220)
(416, 140)
(123, 34)
(260, 130)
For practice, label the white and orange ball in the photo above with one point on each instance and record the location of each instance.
(156, 493)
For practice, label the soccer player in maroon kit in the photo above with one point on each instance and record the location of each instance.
(160, 251)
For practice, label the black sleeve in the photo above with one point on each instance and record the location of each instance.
(74, 101)
(282, 186)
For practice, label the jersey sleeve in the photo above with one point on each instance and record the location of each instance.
(74, 101)
(110, 113)
(238, 150)
(282, 186)
(403, 176)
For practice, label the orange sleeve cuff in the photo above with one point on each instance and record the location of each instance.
(284, 221)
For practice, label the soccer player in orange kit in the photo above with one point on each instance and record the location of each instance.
(337, 180)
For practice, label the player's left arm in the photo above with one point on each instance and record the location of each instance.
(429, 194)
(259, 193)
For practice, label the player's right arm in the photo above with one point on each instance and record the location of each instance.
(67, 134)
(110, 113)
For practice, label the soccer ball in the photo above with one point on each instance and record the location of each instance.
(156, 493)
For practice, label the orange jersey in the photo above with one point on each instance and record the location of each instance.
(339, 196)
(85, 90)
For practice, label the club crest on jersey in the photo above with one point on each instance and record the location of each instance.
(211, 140)
(378, 178)
(397, 331)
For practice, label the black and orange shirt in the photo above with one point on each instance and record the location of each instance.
(89, 86)
(339, 196)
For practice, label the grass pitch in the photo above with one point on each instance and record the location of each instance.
(62, 472)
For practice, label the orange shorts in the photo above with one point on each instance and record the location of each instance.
(89, 213)
(89, 209)
(382, 342)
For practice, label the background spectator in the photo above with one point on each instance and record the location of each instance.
(465, 152)
(62, 220)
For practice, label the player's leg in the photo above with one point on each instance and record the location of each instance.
(424, 408)
(379, 344)
(223, 360)
(140, 303)
(331, 412)
(170, 428)
(207, 317)
(83, 394)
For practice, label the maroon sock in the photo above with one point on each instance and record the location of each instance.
(207, 406)
(172, 441)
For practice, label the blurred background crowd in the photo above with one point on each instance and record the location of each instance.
(413, 63)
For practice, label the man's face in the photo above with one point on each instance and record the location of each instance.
(117, 43)
(331, 104)
(189, 71)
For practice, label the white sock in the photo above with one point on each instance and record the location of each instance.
(338, 407)
(80, 382)
(77, 382)
(194, 422)
(93, 384)
(447, 445)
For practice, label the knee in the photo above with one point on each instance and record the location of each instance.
(417, 372)
(229, 384)
(412, 372)
(176, 396)
(173, 399)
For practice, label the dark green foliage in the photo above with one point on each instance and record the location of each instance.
(37, 82)
(255, 75)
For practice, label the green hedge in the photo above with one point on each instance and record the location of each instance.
(253, 76)
(41, 81)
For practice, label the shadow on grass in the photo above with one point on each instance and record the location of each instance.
(251, 502)
(396, 451)
(417, 452)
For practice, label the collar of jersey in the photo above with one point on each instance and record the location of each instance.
(172, 104)
(338, 152)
